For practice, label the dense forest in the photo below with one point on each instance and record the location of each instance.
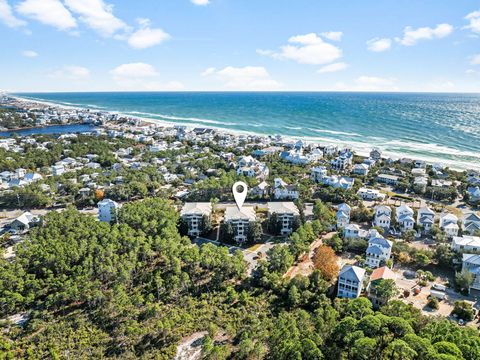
(136, 288)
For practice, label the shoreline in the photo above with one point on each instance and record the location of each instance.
(360, 148)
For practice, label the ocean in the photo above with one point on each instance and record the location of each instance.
(443, 128)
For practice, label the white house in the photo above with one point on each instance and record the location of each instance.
(376, 154)
(318, 173)
(425, 218)
(330, 150)
(471, 223)
(471, 264)
(58, 170)
(240, 220)
(383, 216)
(24, 222)
(474, 194)
(370, 194)
(360, 169)
(250, 167)
(343, 215)
(449, 224)
(350, 281)
(261, 189)
(388, 179)
(107, 210)
(404, 217)
(378, 252)
(343, 161)
(286, 213)
(284, 191)
(193, 214)
(466, 243)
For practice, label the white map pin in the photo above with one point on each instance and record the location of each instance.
(239, 190)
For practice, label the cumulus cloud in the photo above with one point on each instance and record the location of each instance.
(48, 12)
(306, 49)
(29, 53)
(200, 2)
(72, 72)
(332, 35)
(141, 76)
(244, 78)
(379, 45)
(333, 68)
(97, 15)
(475, 59)
(474, 21)
(7, 17)
(146, 36)
(413, 36)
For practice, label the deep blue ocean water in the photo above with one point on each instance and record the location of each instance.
(56, 129)
(435, 127)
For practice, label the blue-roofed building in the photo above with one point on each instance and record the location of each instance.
(350, 281)
(378, 252)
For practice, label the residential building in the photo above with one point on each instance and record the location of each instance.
(343, 161)
(350, 281)
(318, 173)
(382, 273)
(471, 264)
(466, 243)
(360, 169)
(370, 194)
(240, 220)
(388, 179)
(261, 189)
(471, 223)
(283, 191)
(404, 217)
(449, 224)
(195, 214)
(473, 194)
(378, 252)
(425, 218)
(107, 210)
(383, 216)
(343, 215)
(58, 170)
(286, 212)
(24, 222)
(376, 154)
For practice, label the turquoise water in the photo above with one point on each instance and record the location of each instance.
(56, 129)
(435, 127)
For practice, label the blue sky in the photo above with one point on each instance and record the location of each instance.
(301, 45)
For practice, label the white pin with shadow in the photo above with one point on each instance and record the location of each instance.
(239, 190)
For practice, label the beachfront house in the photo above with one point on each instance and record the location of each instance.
(107, 210)
(425, 218)
(196, 216)
(317, 174)
(240, 221)
(350, 281)
(360, 169)
(404, 217)
(378, 252)
(343, 161)
(471, 223)
(287, 215)
(330, 150)
(383, 216)
(376, 154)
(449, 224)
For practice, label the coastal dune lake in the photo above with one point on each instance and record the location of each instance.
(441, 128)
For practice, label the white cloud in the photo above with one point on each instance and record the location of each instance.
(474, 19)
(7, 17)
(379, 45)
(30, 53)
(244, 78)
(147, 37)
(97, 15)
(332, 35)
(374, 83)
(333, 68)
(49, 12)
(200, 2)
(72, 72)
(412, 36)
(306, 49)
(472, 72)
(475, 59)
(141, 76)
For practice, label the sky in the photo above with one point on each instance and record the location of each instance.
(240, 45)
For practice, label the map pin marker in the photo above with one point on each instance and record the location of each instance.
(239, 190)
